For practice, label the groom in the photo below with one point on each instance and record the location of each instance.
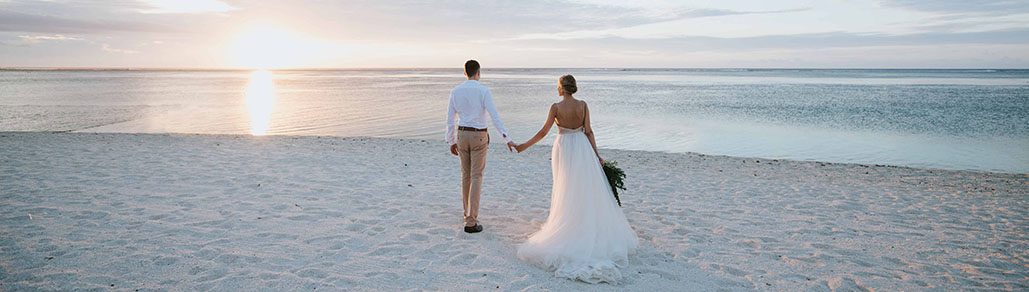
(470, 101)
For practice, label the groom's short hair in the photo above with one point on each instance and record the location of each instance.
(471, 67)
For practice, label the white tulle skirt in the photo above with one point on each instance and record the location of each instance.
(586, 237)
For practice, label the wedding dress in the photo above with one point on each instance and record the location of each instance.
(586, 237)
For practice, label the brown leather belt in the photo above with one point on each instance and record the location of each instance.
(463, 128)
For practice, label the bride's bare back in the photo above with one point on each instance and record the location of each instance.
(570, 113)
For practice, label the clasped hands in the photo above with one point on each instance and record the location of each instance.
(511, 146)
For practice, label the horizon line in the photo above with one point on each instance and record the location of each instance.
(77, 68)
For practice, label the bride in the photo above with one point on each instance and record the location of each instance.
(586, 237)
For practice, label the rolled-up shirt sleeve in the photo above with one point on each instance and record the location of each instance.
(495, 116)
(451, 111)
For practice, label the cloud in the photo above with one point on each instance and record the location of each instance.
(108, 48)
(803, 41)
(700, 23)
(991, 7)
(39, 38)
(186, 6)
(856, 18)
(477, 20)
(40, 23)
(29, 40)
(966, 16)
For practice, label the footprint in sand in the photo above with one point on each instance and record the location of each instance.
(440, 231)
(356, 227)
(75, 236)
(227, 259)
(415, 225)
(387, 275)
(330, 238)
(523, 283)
(206, 254)
(369, 221)
(680, 231)
(389, 250)
(690, 253)
(822, 246)
(312, 273)
(269, 276)
(46, 248)
(278, 236)
(462, 259)
(473, 275)
(212, 275)
(749, 243)
(165, 261)
(389, 213)
(415, 237)
(61, 253)
(90, 215)
(307, 218)
(338, 245)
(61, 278)
(662, 274)
(839, 284)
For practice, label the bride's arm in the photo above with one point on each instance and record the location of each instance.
(589, 131)
(551, 115)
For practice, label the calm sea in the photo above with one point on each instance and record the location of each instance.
(953, 119)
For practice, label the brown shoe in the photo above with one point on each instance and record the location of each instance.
(474, 229)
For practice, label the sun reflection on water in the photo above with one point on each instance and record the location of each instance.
(260, 101)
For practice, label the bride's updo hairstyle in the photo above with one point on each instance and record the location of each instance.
(567, 83)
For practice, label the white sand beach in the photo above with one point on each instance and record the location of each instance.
(128, 212)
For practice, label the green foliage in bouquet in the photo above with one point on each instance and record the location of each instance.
(614, 178)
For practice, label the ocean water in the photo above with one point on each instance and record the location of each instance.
(952, 119)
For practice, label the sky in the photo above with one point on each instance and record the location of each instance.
(528, 33)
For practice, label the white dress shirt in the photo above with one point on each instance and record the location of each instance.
(470, 101)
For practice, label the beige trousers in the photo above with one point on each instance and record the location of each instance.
(471, 147)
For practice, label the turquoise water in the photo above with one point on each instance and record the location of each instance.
(953, 119)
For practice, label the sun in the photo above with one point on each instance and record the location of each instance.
(271, 47)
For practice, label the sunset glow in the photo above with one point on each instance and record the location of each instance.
(270, 47)
(599, 34)
(260, 100)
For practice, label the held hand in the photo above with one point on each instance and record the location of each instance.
(601, 160)
(521, 147)
(453, 149)
(511, 145)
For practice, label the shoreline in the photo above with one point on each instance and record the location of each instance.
(237, 212)
(85, 131)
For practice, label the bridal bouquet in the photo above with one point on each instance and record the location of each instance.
(614, 178)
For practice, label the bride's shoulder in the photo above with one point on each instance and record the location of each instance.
(581, 103)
